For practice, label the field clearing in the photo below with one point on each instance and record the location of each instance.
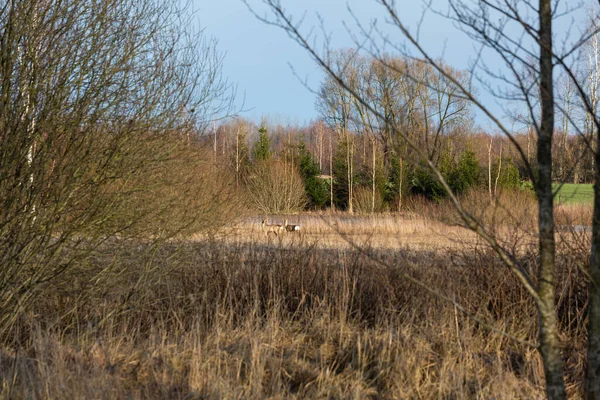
(440, 230)
(386, 231)
(570, 193)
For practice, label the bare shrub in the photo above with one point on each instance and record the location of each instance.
(94, 95)
(364, 202)
(420, 205)
(276, 188)
(509, 207)
(574, 214)
(184, 194)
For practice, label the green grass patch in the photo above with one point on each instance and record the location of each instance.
(570, 193)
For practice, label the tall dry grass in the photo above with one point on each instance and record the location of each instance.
(507, 207)
(515, 208)
(574, 214)
(211, 320)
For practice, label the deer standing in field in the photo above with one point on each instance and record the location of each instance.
(291, 228)
(274, 228)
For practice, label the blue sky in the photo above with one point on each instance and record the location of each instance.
(258, 56)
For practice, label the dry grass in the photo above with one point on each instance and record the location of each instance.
(335, 231)
(574, 214)
(511, 217)
(327, 313)
(217, 319)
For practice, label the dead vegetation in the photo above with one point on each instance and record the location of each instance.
(292, 318)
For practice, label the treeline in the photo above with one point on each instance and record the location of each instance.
(358, 157)
(285, 168)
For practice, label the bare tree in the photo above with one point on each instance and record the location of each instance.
(565, 95)
(320, 130)
(520, 35)
(336, 107)
(241, 130)
(331, 177)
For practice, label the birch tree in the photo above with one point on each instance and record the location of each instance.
(335, 105)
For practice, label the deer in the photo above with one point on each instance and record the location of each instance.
(268, 228)
(291, 228)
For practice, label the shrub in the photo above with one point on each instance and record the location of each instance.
(363, 200)
(509, 174)
(275, 188)
(466, 174)
(460, 176)
(340, 177)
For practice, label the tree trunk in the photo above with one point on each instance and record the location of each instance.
(349, 159)
(331, 172)
(401, 179)
(529, 140)
(565, 144)
(499, 171)
(28, 59)
(215, 140)
(592, 378)
(237, 158)
(374, 166)
(320, 141)
(548, 332)
(490, 168)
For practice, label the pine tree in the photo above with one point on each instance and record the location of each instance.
(262, 148)
(316, 188)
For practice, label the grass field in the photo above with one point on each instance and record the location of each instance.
(570, 193)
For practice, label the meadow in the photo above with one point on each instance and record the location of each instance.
(570, 193)
(389, 306)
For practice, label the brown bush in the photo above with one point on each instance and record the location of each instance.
(185, 194)
(276, 188)
(363, 200)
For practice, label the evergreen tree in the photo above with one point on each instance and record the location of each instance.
(262, 148)
(465, 174)
(316, 188)
(340, 172)
(460, 176)
(423, 182)
(397, 175)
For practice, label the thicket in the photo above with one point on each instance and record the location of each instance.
(276, 188)
(100, 104)
(461, 175)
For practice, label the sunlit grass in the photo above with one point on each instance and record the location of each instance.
(570, 193)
